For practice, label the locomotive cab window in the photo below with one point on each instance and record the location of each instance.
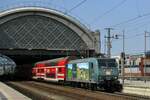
(40, 70)
(107, 63)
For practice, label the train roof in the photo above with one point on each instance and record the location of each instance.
(91, 59)
(54, 60)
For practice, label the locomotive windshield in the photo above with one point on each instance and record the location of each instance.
(107, 68)
(107, 63)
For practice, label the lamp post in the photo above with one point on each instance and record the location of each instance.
(122, 54)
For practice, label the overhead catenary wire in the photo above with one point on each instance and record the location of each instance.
(76, 6)
(136, 35)
(137, 7)
(75, 16)
(130, 37)
(139, 27)
(139, 22)
(108, 11)
(130, 20)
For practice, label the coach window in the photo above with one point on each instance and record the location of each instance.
(59, 70)
(40, 70)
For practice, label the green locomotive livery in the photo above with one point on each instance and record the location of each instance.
(94, 72)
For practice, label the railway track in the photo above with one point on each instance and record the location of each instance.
(45, 91)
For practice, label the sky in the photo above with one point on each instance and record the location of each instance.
(132, 16)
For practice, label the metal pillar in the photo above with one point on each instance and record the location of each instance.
(108, 43)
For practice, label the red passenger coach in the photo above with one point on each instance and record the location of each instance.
(51, 70)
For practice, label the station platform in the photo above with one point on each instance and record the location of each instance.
(137, 87)
(8, 93)
(139, 84)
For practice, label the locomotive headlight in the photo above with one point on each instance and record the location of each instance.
(108, 72)
(116, 77)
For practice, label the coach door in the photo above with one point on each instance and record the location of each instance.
(61, 73)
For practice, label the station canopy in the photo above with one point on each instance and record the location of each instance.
(42, 28)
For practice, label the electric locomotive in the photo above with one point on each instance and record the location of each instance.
(95, 73)
(91, 73)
